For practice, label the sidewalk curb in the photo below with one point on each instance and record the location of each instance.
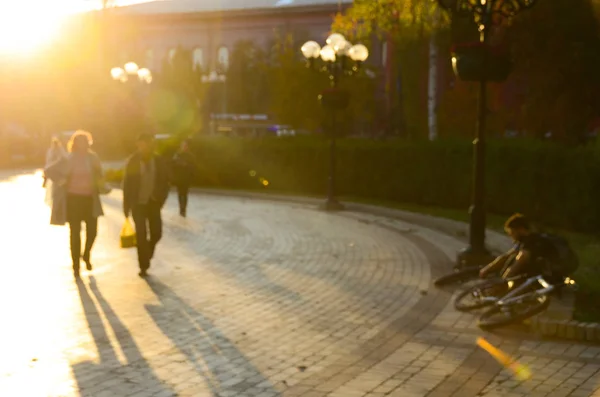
(566, 329)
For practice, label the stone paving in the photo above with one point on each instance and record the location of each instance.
(252, 298)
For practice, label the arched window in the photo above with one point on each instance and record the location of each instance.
(198, 58)
(172, 53)
(223, 57)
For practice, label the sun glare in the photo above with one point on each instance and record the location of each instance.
(27, 25)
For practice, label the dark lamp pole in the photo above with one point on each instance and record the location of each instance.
(483, 12)
(335, 57)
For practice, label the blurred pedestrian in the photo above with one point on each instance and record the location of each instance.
(145, 191)
(78, 184)
(55, 153)
(184, 172)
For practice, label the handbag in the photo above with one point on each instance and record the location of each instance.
(128, 237)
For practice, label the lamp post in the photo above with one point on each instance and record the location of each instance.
(128, 74)
(335, 56)
(484, 12)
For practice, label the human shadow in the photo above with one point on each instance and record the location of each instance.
(110, 374)
(215, 357)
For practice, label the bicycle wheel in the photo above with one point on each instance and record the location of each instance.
(499, 316)
(474, 297)
(457, 277)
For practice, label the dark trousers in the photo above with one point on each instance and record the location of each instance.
(80, 209)
(183, 190)
(148, 230)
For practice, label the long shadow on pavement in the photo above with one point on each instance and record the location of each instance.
(110, 374)
(225, 369)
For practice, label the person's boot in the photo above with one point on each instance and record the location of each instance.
(86, 259)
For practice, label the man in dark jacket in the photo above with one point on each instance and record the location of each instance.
(145, 191)
(184, 170)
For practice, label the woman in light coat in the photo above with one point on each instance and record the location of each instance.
(55, 153)
(76, 197)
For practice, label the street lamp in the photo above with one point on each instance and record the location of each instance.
(484, 12)
(131, 69)
(216, 77)
(334, 55)
(130, 73)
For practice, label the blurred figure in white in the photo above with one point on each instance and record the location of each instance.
(55, 153)
(79, 183)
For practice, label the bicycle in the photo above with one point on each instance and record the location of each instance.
(462, 275)
(522, 302)
(459, 276)
(484, 293)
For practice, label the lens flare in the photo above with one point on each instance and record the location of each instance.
(520, 371)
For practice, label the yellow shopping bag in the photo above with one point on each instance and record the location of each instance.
(128, 238)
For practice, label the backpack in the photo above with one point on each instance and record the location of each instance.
(563, 261)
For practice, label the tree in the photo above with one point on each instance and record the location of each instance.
(247, 79)
(402, 23)
(557, 53)
(293, 88)
(177, 99)
(554, 47)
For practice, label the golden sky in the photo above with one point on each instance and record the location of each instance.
(25, 25)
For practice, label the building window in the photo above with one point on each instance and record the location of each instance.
(223, 57)
(198, 57)
(172, 53)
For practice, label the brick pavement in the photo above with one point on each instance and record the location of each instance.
(252, 298)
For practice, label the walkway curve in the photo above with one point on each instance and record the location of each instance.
(246, 298)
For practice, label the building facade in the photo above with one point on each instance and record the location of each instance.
(151, 32)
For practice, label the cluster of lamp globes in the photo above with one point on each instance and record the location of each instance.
(131, 69)
(336, 46)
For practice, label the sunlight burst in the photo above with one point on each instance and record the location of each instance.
(27, 25)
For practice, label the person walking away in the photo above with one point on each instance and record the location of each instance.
(145, 191)
(54, 154)
(184, 171)
(78, 182)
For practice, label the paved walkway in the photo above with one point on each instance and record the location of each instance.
(251, 298)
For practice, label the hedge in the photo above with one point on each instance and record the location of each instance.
(554, 185)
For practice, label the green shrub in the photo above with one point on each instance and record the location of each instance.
(552, 184)
(556, 186)
(113, 175)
